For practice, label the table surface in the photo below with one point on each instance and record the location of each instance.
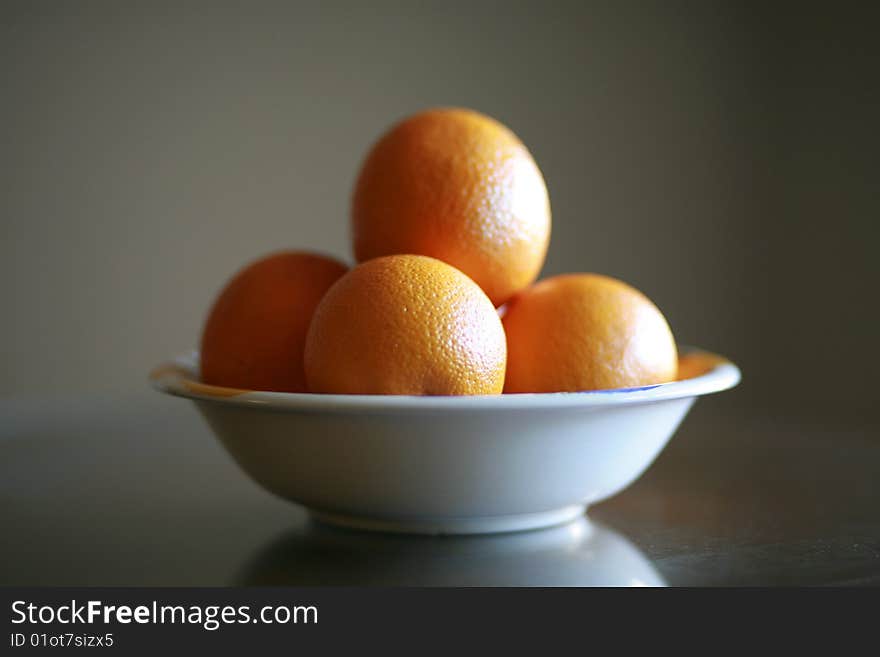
(134, 490)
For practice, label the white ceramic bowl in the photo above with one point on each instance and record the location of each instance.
(447, 465)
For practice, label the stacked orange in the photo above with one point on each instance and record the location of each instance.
(450, 220)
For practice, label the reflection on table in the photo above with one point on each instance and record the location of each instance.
(580, 553)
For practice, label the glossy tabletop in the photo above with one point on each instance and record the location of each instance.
(134, 490)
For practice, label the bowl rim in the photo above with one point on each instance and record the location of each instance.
(179, 377)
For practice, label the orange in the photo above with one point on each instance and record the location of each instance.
(405, 325)
(458, 186)
(696, 364)
(256, 330)
(586, 332)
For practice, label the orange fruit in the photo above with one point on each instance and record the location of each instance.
(256, 330)
(586, 332)
(405, 325)
(458, 186)
(696, 364)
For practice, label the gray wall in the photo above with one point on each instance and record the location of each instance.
(714, 156)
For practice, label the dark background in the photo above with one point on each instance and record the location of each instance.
(719, 156)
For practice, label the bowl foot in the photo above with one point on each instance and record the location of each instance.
(453, 525)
